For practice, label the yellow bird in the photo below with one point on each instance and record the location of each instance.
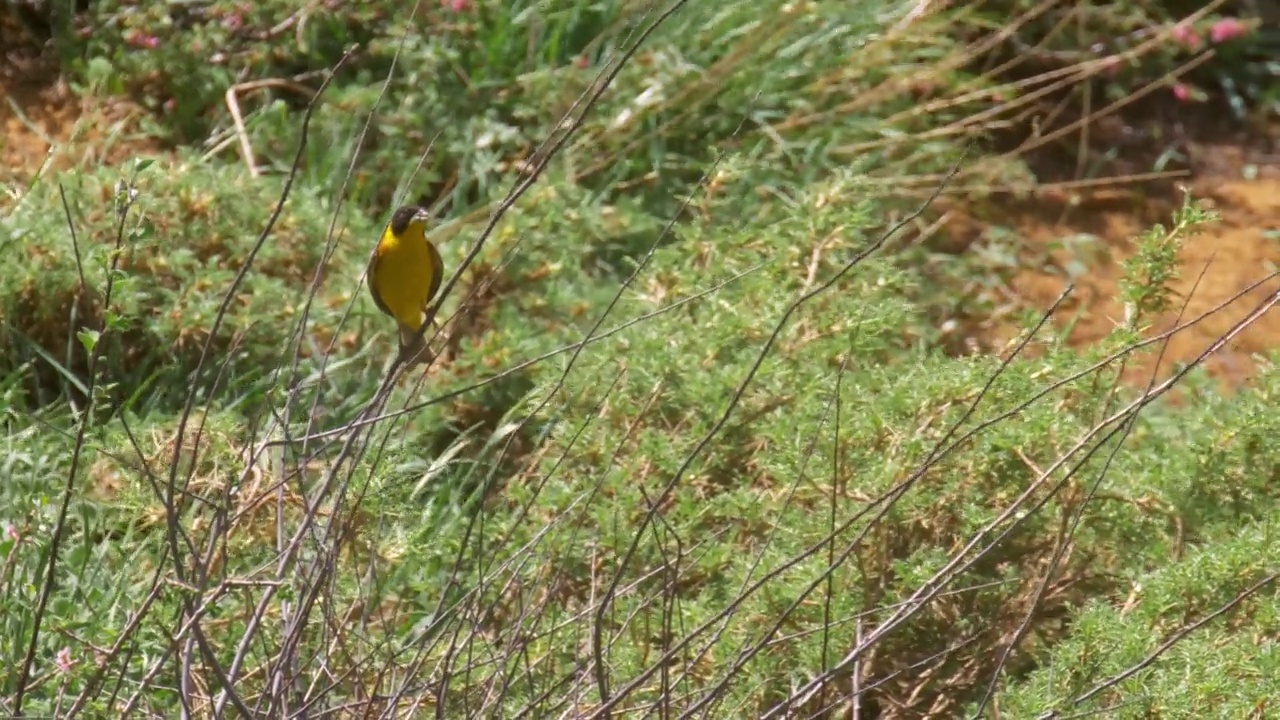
(405, 275)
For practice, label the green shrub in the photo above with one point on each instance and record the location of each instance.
(188, 233)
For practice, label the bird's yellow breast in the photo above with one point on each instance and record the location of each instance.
(403, 274)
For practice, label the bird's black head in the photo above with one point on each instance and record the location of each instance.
(401, 218)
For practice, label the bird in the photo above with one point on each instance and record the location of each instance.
(405, 273)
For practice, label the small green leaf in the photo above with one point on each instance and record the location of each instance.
(88, 338)
(99, 70)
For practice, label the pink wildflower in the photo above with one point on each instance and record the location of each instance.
(63, 660)
(1227, 29)
(457, 5)
(138, 39)
(1186, 36)
(1181, 92)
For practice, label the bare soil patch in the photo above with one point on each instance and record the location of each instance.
(1240, 178)
(40, 113)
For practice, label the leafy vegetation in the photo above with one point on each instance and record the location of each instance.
(695, 442)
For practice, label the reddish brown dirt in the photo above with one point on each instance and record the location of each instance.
(1232, 254)
(39, 112)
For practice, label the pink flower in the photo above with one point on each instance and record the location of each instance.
(233, 22)
(63, 660)
(1228, 29)
(1181, 92)
(1186, 36)
(12, 532)
(457, 5)
(138, 39)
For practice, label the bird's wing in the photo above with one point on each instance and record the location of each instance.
(372, 280)
(437, 272)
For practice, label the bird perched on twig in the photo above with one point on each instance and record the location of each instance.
(404, 276)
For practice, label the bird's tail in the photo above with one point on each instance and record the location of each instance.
(413, 346)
